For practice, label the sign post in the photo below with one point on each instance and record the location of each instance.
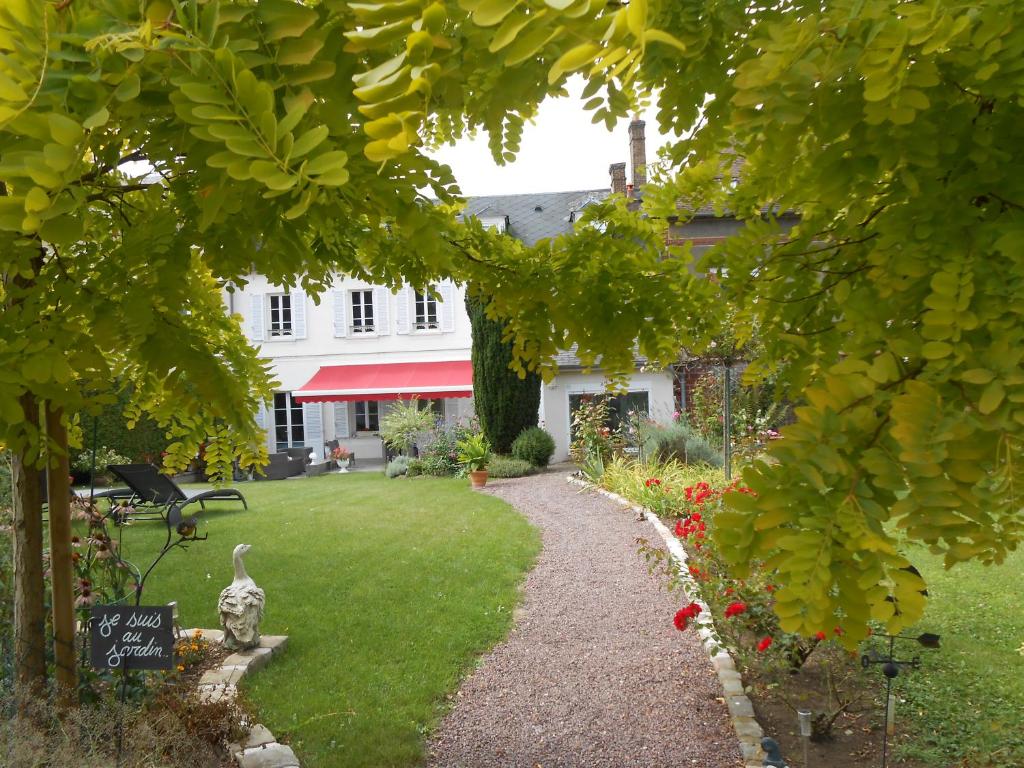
(132, 637)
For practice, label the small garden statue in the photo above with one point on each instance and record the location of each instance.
(773, 757)
(241, 607)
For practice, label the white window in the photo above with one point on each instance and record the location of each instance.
(289, 426)
(362, 311)
(280, 315)
(424, 312)
(367, 416)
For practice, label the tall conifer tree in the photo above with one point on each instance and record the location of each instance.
(505, 402)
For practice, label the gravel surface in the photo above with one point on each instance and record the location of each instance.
(593, 673)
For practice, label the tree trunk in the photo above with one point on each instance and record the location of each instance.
(61, 568)
(29, 610)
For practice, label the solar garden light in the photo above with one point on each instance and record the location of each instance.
(804, 718)
(891, 670)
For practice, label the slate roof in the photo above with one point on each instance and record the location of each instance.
(567, 358)
(535, 215)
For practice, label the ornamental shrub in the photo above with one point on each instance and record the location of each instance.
(505, 402)
(680, 442)
(507, 466)
(437, 465)
(404, 423)
(534, 445)
(397, 466)
(83, 462)
(439, 454)
(415, 468)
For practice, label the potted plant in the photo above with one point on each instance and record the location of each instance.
(341, 456)
(474, 455)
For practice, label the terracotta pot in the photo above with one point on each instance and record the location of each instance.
(478, 479)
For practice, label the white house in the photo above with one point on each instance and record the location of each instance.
(342, 361)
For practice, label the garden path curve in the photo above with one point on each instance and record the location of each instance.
(593, 674)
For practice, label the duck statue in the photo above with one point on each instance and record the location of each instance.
(241, 607)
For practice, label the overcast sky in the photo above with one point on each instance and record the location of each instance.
(561, 151)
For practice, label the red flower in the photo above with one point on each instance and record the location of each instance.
(763, 645)
(680, 619)
(838, 631)
(735, 609)
(680, 530)
(728, 591)
(695, 517)
(693, 610)
(821, 635)
(695, 571)
(769, 587)
(652, 481)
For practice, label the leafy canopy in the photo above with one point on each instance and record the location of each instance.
(892, 309)
(289, 137)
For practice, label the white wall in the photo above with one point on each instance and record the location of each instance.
(555, 403)
(297, 358)
(323, 338)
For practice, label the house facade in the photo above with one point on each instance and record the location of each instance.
(343, 358)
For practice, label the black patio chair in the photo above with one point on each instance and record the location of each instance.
(149, 488)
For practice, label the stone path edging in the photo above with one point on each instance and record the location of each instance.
(259, 749)
(741, 711)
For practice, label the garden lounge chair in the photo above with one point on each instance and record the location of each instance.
(151, 489)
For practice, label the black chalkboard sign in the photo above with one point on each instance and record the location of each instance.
(132, 637)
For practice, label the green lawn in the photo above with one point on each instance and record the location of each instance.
(388, 590)
(965, 705)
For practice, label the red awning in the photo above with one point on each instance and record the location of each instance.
(388, 381)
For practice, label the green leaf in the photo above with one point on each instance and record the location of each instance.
(326, 162)
(285, 19)
(64, 130)
(659, 36)
(491, 12)
(991, 398)
(128, 88)
(96, 119)
(37, 200)
(309, 141)
(573, 59)
(936, 350)
(978, 376)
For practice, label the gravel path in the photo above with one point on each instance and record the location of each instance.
(593, 674)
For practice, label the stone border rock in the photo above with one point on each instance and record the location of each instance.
(741, 711)
(258, 749)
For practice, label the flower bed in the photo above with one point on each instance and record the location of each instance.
(781, 671)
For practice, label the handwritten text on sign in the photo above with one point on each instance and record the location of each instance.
(132, 637)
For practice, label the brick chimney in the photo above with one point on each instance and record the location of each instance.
(618, 173)
(638, 153)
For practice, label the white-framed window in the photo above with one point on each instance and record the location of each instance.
(434, 406)
(424, 312)
(361, 303)
(289, 426)
(367, 416)
(280, 306)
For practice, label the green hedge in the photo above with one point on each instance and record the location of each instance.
(142, 444)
